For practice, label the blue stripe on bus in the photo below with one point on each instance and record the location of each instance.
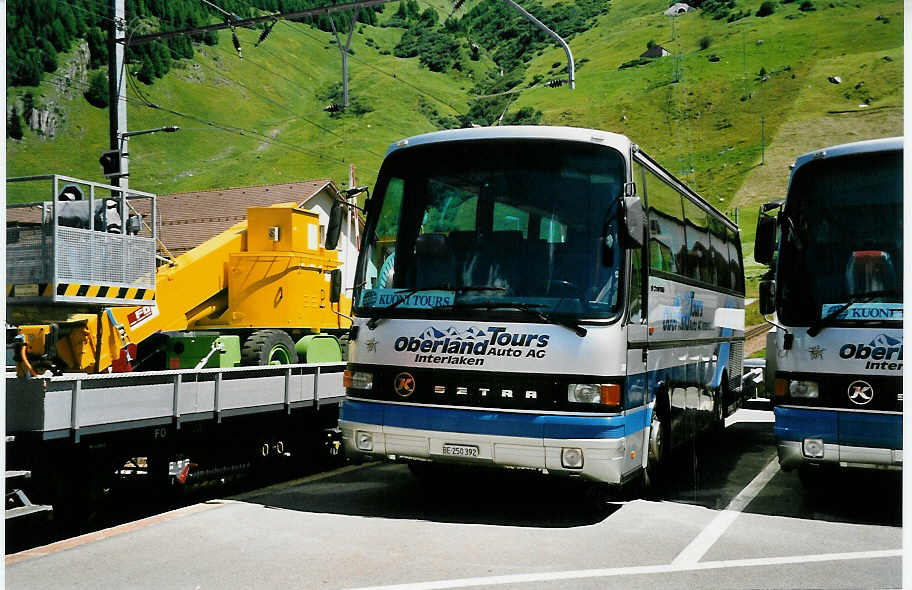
(492, 422)
(854, 429)
(796, 425)
(882, 431)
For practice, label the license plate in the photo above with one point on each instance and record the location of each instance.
(460, 450)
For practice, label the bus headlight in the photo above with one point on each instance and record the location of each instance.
(608, 394)
(572, 458)
(364, 441)
(358, 379)
(813, 448)
(805, 389)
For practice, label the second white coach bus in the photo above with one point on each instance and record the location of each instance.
(540, 297)
(836, 360)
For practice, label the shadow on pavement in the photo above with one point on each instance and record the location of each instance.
(712, 471)
(708, 472)
(475, 496)
(849, 496)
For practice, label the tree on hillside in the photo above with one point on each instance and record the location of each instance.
(14, 125)
(48, 56)
(98, 47)
(28, 105)
(146, 72)
(766, 9)
(97, 94)
(429, 17)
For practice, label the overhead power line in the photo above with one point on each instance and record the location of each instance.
(384, 72)
(246, 22)
(293, 111)
(211, 125)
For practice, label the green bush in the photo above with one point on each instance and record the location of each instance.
(435, 49)
(97, 93)
(766, 9)
(14, 125)
(640, 61)
(705, 42)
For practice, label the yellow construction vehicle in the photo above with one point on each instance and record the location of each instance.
(258, 293)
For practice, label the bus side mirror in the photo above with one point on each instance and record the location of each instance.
(335, 285)
(767, 297)
(334, 227)
(767, 227)
(765, 239)
(634, 222)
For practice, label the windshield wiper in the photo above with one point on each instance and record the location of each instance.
(531, 309)
(831, 317)
(372, 323)
(793, 235)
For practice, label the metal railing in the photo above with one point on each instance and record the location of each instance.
(74, 404)
(81, 237)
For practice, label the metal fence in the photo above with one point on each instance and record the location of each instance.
(81, 237)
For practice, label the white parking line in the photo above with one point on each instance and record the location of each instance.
(708, 536)
(633, 571)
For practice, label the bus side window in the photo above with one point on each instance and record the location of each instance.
(698, 265)
(735, 261)
(718, 247)
(667, 247)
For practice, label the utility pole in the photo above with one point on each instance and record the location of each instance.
(117, 93)
(344, 52)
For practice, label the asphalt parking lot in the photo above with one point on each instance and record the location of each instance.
(731, 519)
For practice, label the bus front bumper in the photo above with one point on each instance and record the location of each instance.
(871, 440)
(611, 457)
(792, 455)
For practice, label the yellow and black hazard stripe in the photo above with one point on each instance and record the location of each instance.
(30, 290)
(80, 290)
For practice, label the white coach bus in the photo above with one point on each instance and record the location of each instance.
(540, 297)
(837, 359)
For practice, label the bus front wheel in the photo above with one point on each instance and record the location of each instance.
(659, 447)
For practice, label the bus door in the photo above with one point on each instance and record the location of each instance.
(637, 394)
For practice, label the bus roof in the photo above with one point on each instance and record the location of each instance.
(845, 149)
(619, 142)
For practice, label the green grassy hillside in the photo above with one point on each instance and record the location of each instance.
(706, 127)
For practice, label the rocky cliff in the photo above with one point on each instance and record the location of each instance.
(68, 83)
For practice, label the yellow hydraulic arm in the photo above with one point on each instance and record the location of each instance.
(267, 272)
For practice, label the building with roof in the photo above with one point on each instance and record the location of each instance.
(655, 51)
(678, 8)
(186, 220)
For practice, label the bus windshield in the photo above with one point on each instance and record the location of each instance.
(491, 222)
(842, 240)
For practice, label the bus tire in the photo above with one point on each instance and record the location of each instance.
(658, 449)
(269, 347)
(720, 403)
